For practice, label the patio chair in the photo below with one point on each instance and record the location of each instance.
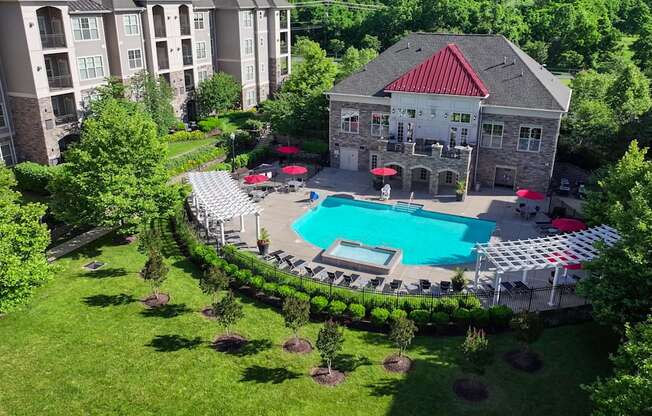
(333, 276)
(272, 255)
(507, 286)
(444, 286)
(279, 258)
(424, 285)
(349, 279)
(520, 286)
(314, 272)
(294, 264)
(376, 282)
(395, 284)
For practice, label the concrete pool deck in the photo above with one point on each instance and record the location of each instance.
(280, 210)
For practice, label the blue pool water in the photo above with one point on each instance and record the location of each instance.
(426, 237)
(366, 254)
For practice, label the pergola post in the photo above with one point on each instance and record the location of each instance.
(257, 215)
(478, 266)
(551, 302)
(206, 223)
(222, 237)
(498, 278)
(242, 225)
(524, 277)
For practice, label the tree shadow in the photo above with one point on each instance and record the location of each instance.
(106, 273)
(386, 387)
(172, 343)
(166, 311)
(252, 347)
(259, 374)
(349, 362)
(102, 300)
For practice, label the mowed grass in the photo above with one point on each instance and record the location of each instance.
(85, 345)
(178, 148)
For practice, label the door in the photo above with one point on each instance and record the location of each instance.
(349, 159)
(452, 137)
(505, 177)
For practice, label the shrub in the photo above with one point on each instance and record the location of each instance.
(448, 305)
(475, 350)
(231, 269)
(337, 307)
(257, 282)
(397, 314)
(179, 125)
(221, 166)
(458, 281)
(286, 291)
(500, 316)
(208, 124)
(241, 275)
(379, 316)
(479, 318)
(301, 296)
(528, 327)
(462, 318)
(420, 316)
(469, 302)
(402, 333)
(270, 289)
(357, 311)
(193, 159)
(34, 177)
(253, 124)
(314, 146)
(318, 303)
(440, 319)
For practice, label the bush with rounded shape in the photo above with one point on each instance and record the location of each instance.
(34, 177)
(301, 296)
(479, 318)
(440, 319)
(208, 124)
(318, 304)
(231, 269)
(337, 307)
(469, 302)
(357, 311)
(500, 316)
(462, 318)
(285, 291)
(257, 282)
(448, 305)
(240, 276)
(379, 316)
(270, 289)
(397, 314)
(420, 316)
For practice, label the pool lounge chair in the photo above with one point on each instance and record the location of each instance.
(293, 264)
(520, 286)
(395, 284)
(444, 286)
(331, 277)
(314, 272)
(349, 279)
(271, 256)
(507, 286)
(376, 282)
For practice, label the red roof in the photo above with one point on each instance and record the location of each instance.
(446, 72)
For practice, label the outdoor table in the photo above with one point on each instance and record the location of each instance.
(295, 184)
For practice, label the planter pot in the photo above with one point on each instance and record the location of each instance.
(458, 288)
(459, 196)
(263, 248)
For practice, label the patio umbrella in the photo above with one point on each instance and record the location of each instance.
(564, 257)
(294, 170)
(254, 179)
(383, 172)
(530, 194)
(568, 225)
(287, 150)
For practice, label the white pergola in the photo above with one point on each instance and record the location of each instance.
(552, 252)
(218, 197)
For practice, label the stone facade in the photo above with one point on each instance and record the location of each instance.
(29, 139)
(275, 77)
(532, 169)
(180, 96)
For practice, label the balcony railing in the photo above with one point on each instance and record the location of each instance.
(185, 29)
(423, 149)
(60, 81)
(65, 118)
(187, 59)
(284, 47)
(53, 40)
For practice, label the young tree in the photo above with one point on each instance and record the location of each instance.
(296, 313)
(354, 59)
(336, 46)
(155, 94)
(476, 352)
(227, 311)
(370, 42)
(23, 241)
(155, 271)
(629, 95)
(219, 93)
(115, 176)
(528, 327)
(402, 333)
(149, 238)
(329, 342)
(213, 282)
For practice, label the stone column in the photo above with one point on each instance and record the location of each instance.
(434, 183)
(382, 145)
(408, 148)
(407, 179)
(436, 150)
(257, 215)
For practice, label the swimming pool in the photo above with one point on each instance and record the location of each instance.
(425, 237)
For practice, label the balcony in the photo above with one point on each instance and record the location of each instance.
(424, 148)
(50, 26)
(162, 55)
(64, 109)
(186, 50)
(188, 80)
(58, 71)
(284, 43)
(184, 20)
(158, 16)
(60, 82)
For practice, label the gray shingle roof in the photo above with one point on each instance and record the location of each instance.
(86, 6)
(251, 4)
(203, 4)
(513, 78)
(120, 5)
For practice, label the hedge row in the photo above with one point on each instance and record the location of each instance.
(184, 136)
(437, 312)
(34, 177)
(194, 159)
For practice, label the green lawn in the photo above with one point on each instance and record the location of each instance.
(85, 345)
(178, 148)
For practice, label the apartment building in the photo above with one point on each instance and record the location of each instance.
(7, 150)
(61, 51)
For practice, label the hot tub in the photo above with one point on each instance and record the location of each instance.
(356, 256)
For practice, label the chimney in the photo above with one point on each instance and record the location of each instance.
(504, 60)
(408, 45)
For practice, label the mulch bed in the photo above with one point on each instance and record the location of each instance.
(153, 301)
(207, 312)
(396, 364)
(470, 390)
(321, 376)
(524, 360)
(229, 343)
(124, 240)
(300, 346)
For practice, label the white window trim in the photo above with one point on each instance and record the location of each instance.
(246, 42)
(3, 117)
(129, 59)
(461, 114)
(350, 130)
(247, 19)
(202, 20)
(493, 137)
(94, 57)
(81, 30)
(197, 55)
(518, 138)
(124, 25)
(250, 73)
(382, 128)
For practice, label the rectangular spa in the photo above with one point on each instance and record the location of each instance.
(356, 256)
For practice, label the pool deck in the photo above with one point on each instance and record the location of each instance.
(280, 210)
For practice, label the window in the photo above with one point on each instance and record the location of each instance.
(199, 21)
(423, 174)
(379, 124)
(448, 178)
(529, 139)
(374, 161)
(433, 112)
(285, 69)
(410, 131)
(135, 57)
(461, 118)
(399, 132)
(350, 120)
(452, 137)
(3, 122)
(464, 135)
(90, 67)
(251, 98)
(249, 46)
(6, 154)
(249, 72)
(202, 75)
(248, 19)
(492, 135)
(85, 28)
(411, 113)
(130, 22)
(200, 50)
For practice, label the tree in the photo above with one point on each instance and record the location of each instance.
(115, 176)
(336, 46)
(219, 93)
(402, 333)
(354, 59)
(155, 271)
(227, 311)
(528, 327)
(23, 241)
(629, 391)
(214, 281)
(629, 95)
(155, 94)
(296, 313)
(476, 352)
(149, 238)
(370, 42)
(329, 342)
(642, 48)
(621, 289)
(538, 50)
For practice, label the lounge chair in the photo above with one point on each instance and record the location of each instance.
(424, 285)
(293, 264)
(395, 284)
(348, 279)
(331, 277)
(376, 282)
(507, 286)
(281, 257)
(444, 286)
(520, 286)
(314, 272)
(271, 256)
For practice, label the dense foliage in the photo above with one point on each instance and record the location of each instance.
(227, 311)
(34, 177)
(155, 94)
(528, 327)
(23, 240)
(219, 93)
(155, 271)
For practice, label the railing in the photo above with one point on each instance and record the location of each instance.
(284, 47)
(187, 59)
(53, 40)
(395, 147)
(163, 64)
(65, 118)
(60, 81)
(423, 149)
(451, 153)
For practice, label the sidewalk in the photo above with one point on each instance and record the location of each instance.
(76, 242)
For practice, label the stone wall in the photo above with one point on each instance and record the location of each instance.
(533, 170)
(29, 139)
(275, 77)
(180, 96)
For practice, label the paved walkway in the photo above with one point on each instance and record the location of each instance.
(77, 242)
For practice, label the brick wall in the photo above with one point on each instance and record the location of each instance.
(29, 139)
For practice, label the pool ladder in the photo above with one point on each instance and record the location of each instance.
(407, 207)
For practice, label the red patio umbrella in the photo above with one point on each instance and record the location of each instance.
(294, 170)
(564, 257)
(530, 194)
(568, 225)
(254, 179)
(383, 172)
(287, 150)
